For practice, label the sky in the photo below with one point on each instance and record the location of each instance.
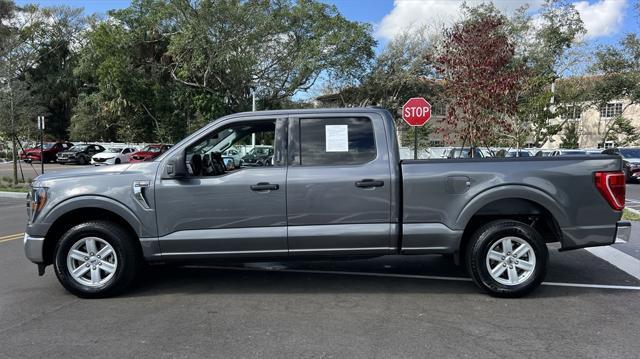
(606, 21)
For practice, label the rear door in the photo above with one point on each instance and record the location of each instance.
(339, 185)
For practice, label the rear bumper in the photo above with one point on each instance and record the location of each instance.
(594, 236)
(33, 248)
(623, 232)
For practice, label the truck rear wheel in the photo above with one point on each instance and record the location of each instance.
(507, 258)
(96, 259)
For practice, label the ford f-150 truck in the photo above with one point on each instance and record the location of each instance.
(335, 188)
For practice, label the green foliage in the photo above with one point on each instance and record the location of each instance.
(162, 69)
(571, 137)
(622, 131)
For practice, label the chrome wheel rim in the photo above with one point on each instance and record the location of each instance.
(511, 261)
(92, 261)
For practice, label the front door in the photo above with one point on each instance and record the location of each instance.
(218, 211)
(339, 186)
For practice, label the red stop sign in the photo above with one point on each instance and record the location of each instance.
(416, 111)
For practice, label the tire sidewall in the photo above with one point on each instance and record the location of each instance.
(69, 239)
(489, 236)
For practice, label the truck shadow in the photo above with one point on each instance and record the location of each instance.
(357, 277)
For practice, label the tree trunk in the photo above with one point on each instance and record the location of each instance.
(14, 135)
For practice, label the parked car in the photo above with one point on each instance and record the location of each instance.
(458, 152)
(258, 156)
(345, 196)
(630, 159)
(50, 150)
(149, 153)
(544, 153)
(593, 151)
(113, 156)
(235, 155)
(80, 154)
(439, 152)
(517, 153)
(563, 152)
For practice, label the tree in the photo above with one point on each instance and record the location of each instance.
(22, 31)
(622, 131)
(546, 48)
(571, 138)
(617, 68)
(481, 78)
(164, 68)
(401, 71)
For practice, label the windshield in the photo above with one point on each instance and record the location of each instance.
(113, 150)
(630, 152)
(78, 148)
(260, 151)
(154, 149)
(47, 146)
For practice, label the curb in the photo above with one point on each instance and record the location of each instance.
(20, 195)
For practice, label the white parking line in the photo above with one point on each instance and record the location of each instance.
(414, 276)
(618, 258)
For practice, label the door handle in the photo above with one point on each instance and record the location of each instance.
(369, 183)
(265, 186)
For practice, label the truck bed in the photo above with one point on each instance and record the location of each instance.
(440, 197)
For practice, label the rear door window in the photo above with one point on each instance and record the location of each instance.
(336, 141)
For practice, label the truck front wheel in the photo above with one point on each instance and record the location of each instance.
(96, 259)
(507, 258)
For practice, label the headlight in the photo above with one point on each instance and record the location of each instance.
(37, 198)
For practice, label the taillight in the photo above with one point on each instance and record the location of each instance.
(612, 187)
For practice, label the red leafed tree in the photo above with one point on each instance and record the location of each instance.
(481, 80)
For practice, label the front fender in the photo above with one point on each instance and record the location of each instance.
(507, 192)
(88, 201)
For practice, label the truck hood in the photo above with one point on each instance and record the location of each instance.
(106, 155)
(82, 172)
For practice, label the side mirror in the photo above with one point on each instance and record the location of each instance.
(176, 166)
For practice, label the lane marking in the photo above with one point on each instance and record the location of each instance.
(414, 276)
(618, 258)
(10, 239)
(12, 235)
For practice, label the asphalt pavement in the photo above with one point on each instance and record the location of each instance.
(420, 306)
(31, 170)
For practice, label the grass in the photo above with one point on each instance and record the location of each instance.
(6, 185)
(630, 216)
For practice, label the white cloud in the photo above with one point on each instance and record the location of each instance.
(601, 18)
(407, 14)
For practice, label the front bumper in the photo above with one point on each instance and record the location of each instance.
(100, 162)
(623, 232)
(33, 248)
(67, 160)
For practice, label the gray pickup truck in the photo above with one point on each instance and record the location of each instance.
(334, 187)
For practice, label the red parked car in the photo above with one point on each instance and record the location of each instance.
(50, 150)
(149, 152)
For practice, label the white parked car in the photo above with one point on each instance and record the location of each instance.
(113, 156)
(235, 154)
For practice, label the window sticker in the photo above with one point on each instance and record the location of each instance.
(337, 138)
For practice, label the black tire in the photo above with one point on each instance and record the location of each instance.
(128, 257)
(117, 161)
(82, 160)
(478, 249)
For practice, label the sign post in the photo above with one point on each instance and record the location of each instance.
(41, 128)
(416, 112)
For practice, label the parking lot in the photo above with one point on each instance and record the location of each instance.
(421, 306)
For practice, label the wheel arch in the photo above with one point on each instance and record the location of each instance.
(83, 209)
(521, 203)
